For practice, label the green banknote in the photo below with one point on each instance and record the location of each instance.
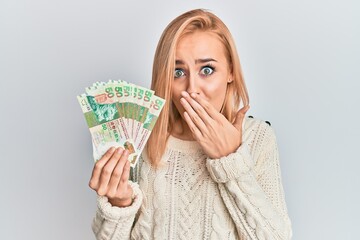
(120, 114)
(106, 127)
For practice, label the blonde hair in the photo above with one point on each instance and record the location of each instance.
(163, 74)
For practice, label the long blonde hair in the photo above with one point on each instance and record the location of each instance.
(163, 74)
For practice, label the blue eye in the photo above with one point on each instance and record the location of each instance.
(206, 71)
(179, 73)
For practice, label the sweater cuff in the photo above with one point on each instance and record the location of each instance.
(113, 213)
(232, 166)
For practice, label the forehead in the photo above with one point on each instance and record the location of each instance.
(200, 45)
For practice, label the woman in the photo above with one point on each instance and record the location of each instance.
(207, 172)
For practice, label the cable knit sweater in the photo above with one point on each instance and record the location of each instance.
(239, 196)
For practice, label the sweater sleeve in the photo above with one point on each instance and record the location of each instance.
(115, 223)
(252, 191)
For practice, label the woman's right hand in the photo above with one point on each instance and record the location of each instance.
(110, 177)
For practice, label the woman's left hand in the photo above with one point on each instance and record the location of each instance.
(217, 136)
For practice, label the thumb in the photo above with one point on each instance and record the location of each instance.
(240, 117)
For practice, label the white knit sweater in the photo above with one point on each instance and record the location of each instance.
(191, 196)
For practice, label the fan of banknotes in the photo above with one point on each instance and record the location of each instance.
(120, 114)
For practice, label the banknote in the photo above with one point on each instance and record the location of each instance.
(105, 127)
(149, 121)
(120, 114)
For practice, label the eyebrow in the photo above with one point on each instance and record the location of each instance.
(204, 60)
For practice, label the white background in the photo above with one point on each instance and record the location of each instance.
(301, 65)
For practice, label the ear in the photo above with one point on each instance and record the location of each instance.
(231, 78)
(231, 74)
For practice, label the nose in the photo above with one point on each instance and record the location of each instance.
(193, 83)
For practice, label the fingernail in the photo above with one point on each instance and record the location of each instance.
(119, 149)
(184, 94)
(193, 95)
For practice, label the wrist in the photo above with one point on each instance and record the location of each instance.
(121, 203)
(227, 152)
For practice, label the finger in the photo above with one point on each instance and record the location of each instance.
(240, 117)
(117, 174)
(93, 183)
(196, 132)
(107, 172)
(126, 172)
(205, 117)
(195, 118)
(122, 187)
(125, 178)
(208, 107)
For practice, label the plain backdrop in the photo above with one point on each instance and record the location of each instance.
(301, 65)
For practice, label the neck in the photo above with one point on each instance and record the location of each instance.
(182, 131)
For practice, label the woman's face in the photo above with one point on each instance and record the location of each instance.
(201, 67)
